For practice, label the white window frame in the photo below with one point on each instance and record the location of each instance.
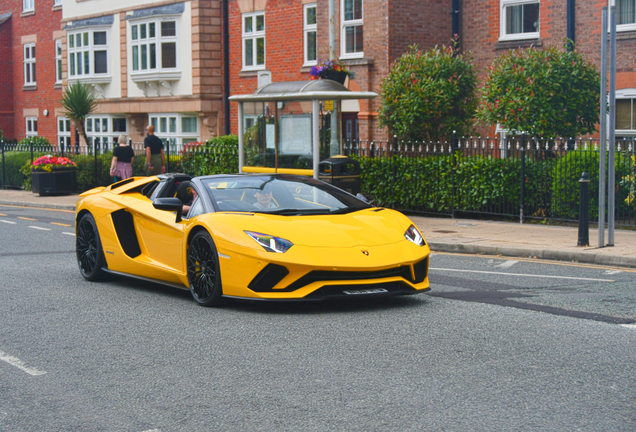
(176, 137)
(28, 6)
(503, 8)
(72, 50)
(344, 24)
(107, 134)
(29, 64)
(307, 29)
(135, 28)
(64, 132)
(628, 26)
(58, 61)
(252, 37)
(57, 3)
(629, 94)
(31, 127)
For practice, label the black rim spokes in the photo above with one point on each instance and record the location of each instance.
(202, 268)
(86, 247)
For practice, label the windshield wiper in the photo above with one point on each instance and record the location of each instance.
(348, 210)
(297, 211)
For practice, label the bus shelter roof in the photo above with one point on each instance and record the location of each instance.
(322, 89)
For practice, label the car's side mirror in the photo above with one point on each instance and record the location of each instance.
(366, 198)
(169, 204)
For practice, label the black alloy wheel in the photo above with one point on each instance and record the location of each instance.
(204, 276)
(88, 248)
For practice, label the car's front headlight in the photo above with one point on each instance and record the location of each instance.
(413, 235)
(270, 243)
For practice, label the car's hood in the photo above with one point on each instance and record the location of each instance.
(371, 227)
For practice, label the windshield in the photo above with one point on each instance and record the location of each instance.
(279, 194)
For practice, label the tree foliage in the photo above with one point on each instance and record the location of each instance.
(546, 92)
(428, 94)
(78, 103)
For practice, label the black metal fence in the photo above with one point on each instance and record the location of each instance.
(517, 177)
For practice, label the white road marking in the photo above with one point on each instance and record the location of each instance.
(629, 326)
(612, 271)
(521, 274)
(506, 264)
(14, 361)
(39, 228)
(9, 222)
(67, 233)
(152, 430)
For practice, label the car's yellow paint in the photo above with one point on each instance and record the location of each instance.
(371, 239)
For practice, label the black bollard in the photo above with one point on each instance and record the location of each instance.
(584, 210)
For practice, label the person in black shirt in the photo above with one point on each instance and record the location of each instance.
(155, 161)
(123, 155)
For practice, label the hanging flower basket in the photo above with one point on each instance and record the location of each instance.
(331, 69)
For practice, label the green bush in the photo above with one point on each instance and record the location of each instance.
(429, 94)
(217, 156)
(545, 92)
(40, 144)
(565, 183)
(13, 163)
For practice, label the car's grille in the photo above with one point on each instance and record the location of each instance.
(273, 274)
(267, 278)
(420, 269)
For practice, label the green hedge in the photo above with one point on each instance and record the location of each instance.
(487, 184)
(13, 163)
(217, 156)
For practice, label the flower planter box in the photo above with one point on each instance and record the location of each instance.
(336, 76)
(56, 182)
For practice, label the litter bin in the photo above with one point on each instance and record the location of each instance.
(342, 172)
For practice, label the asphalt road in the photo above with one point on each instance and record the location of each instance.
(497, 345)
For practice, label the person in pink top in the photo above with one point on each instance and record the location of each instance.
(123, 156)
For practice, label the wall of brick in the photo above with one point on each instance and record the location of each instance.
(480, 35)
(6, 80)
(283, 46)
(390, 26)
(40, 25)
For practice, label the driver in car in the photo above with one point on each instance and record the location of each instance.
(264, 199)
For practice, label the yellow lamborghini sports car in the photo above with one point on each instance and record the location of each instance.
(257, 237)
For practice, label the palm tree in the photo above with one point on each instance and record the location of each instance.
(78, 103)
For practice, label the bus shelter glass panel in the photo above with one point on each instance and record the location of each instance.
(260, 134)
(295, 139)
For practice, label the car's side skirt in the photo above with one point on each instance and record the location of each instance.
(171, 284)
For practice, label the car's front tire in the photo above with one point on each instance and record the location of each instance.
(204, 275)
(88, 248)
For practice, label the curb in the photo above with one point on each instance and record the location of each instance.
(587, 258)
(39, 205)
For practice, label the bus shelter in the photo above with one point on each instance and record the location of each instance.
(289, 127)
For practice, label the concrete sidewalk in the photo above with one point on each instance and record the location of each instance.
(458, 235)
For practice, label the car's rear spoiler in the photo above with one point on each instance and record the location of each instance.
(92, 191)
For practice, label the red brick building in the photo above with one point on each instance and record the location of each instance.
(30, 84)
(370, 35)
(489, 27)
(279, 40)
(381, 30)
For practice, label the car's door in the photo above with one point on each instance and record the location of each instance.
(160, 237)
